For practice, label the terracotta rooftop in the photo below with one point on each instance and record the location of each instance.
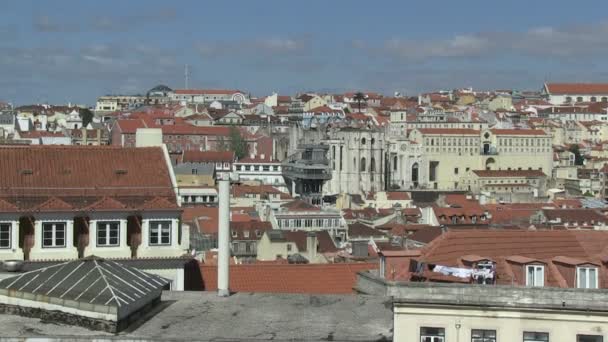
(397, 195)
(206, 91)
(518, 131)
(81, 176)
(289, 278)
(577, 88)
(361, 230)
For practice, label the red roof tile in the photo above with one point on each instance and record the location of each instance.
(397, 195)
(577, 88)
(289, 278)
(106, 203)
(518, 131)
(54, 204)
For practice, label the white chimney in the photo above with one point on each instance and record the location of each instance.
(262, 156)
(223, 241)
(311, 246)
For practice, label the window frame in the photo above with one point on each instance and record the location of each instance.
(107, 235)
(578, 336)
(535, 266)
(439, 338)
(54, 238)
(10, 234)
(535, 338)
(159, 237)
(587, 268)
(483, 337)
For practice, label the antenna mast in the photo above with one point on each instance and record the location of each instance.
(186, 76)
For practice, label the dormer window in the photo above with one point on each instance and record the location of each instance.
(454, 219)
(535, 275)
(234, 234)
(586, 277)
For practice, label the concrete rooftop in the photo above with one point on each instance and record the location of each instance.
(202, 316)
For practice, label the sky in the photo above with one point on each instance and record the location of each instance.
(64, 51)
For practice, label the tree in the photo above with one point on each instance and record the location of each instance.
(86, 115)
(578, 158)
(237, 143)
(359, 97)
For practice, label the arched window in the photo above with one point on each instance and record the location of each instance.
(362, 141)
(432, 142)
(593, 99)
(568, 99)
(604, 99)
(373, 141)
(362, 165)
(354, 163)
(395, 163)
(579, 99)
(372, 165)
(333, 152)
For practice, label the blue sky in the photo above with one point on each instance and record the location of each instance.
(60, 51)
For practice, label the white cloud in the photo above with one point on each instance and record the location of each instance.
(588, 41)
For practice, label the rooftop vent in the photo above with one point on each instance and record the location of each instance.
(120, 171)
(27, 172)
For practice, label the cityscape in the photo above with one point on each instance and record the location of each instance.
(186, 208)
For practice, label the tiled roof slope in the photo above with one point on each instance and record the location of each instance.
(89, 178)
(94, 170)
(583, 244)
(289, 278)
(577, 88)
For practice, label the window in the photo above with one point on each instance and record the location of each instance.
(108, 233)
(586, 277)
(308, 223)
(160, 233)
(579, 99)
(589, 338)
(455, 170)
(362, 141)
(289, 247)
(53, 234)
(535, 275)
(478, 335)
(533, 336)
(246, 234)
(432, 334)
(5, 235)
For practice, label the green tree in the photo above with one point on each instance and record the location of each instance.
(359, 97)
(238, 143)
(578, 157)
(86, 115)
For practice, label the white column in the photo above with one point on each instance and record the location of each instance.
(145, 224)
(123, 235)
(223, 258)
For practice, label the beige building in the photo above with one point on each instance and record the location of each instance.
(449, 154)
(434, 312)
(276, 244)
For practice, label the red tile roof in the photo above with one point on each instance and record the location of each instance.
(80, 176)
(577, 88)
(397, 195)
(289, 278)
(518, 131)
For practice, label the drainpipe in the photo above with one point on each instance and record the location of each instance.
(223, 257)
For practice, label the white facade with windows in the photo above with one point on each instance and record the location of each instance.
(160, 236)
(263, 172)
